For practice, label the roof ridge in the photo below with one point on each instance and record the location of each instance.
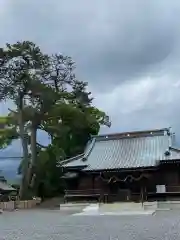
(71, 159)
(133, 132)
(89, 149)
(144, 133)
(174, 148)
(83, 155)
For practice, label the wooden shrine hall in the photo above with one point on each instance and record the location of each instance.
(130, 166)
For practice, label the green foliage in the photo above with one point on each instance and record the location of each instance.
(47, 96)
(47, 172)
(8, 132)
(21, 64)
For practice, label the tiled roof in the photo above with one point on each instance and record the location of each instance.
(127, 150)
(5, 187)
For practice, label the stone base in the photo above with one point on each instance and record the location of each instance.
(96, 210)
(73, 206)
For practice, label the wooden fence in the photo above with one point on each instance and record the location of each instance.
(12, 205)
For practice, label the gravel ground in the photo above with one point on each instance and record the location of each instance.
(56, 225)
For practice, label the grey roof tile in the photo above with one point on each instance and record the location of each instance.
(6, 187)
(144, 150)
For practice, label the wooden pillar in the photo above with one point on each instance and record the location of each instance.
(145, 193)
(93, 178)
(143, 184)
(142, 195)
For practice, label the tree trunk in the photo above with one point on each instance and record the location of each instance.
(33, 152)
(23, 136)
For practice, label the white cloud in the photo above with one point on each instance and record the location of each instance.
(147, 103)
(129, 52)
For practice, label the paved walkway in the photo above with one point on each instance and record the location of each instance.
(56, 225)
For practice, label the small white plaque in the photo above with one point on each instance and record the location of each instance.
(160, 188)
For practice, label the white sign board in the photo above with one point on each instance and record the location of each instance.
(160, 188)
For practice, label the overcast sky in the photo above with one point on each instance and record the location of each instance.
(128, 51)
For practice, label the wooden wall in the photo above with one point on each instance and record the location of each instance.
(167, 175)
(85, 182)
(92, 182)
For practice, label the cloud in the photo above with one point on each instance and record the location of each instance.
(111, 41)
(121, 39)
(128, 51)
(144, 104)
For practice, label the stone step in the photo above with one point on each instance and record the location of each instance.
(150, 205)
(129, 213)
(172, 205)
(73, 206)
(121, 207)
